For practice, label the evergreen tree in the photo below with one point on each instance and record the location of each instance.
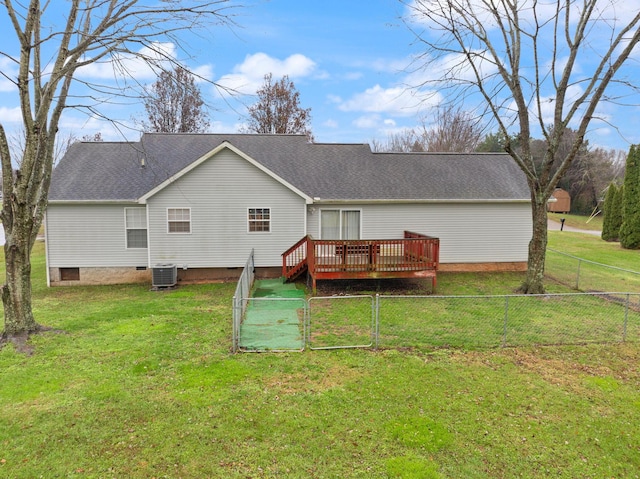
(617, 213)
(612, 212)
(630, 229)
(608, 233)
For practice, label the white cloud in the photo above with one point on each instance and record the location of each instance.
(450, 70)
(143, 66)
(219, 126)
(331, 124)
(203, 72)
(82, 125)
(6, 85)
(424, 12)
(248, 76)
(401, 101)
(548, 104)
(10, 115)
(368, 122)
(390, 66)
(353, 76)
(8, 68)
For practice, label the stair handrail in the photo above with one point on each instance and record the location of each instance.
(300, 256)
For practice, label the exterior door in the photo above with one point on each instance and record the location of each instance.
(340, 224)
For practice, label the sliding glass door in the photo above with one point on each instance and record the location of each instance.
(340, 224)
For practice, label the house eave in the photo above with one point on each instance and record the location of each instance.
(94, 202)
(317, 200)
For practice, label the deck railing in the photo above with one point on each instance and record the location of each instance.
(294, 260)
(413, 255)
(428, 250)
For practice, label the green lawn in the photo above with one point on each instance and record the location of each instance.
(577, 221)
(141, 384)
(592, 248)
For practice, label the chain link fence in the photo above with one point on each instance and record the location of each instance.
(241, 298)
(428, 322)
(431, 322)
(342, 322)
(511, 320)
(584, 275)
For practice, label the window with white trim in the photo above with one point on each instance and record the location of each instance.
(259, 220)
(135, 220)
(179, 220)
(340, 224)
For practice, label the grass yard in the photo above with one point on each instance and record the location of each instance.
(141, 384)
(577, 221)
(592, 248)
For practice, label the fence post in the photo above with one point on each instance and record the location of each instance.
(626, 319)
(376, 329)
(234, 334)
(307, 324)
(578, 275)
(506, 318)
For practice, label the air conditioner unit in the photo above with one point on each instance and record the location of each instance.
(164, 275)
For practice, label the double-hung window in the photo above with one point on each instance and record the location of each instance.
(259, 220)
(136, 226)
(179, 220)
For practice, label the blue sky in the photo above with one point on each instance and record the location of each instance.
(349, 59)
(335, 52)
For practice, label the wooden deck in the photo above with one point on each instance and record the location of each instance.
(414, 256)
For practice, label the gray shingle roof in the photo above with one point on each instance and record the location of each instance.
(104, 171)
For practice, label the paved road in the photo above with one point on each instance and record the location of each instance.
(555, 226)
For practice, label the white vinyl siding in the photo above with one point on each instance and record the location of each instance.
(469, 233)
(136, 227)
(90, 236)
(219, 193)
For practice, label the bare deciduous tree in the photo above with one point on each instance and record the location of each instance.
(174, 104)
(48, 57)
(404, 141)
(532, 64)
(278, 109)
(453, 130)
(96, 137)
(588, 176)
